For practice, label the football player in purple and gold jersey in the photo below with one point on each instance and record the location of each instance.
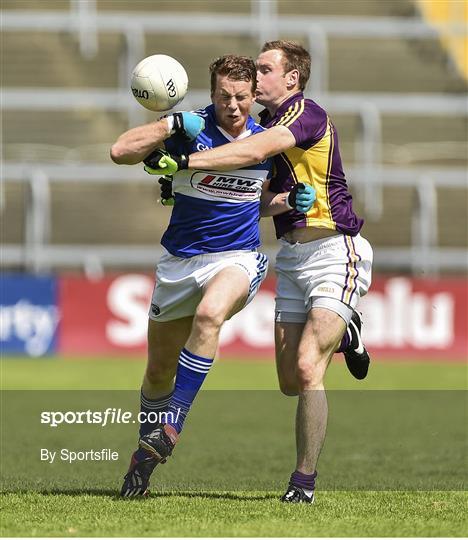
(323, 265)
(211, 267)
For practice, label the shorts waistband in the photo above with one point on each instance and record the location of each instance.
(314, 245)
(212, 257)
(226, 254)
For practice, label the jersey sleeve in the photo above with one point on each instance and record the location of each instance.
(306, 121)
(175, 145)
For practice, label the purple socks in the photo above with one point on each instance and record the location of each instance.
(304, 481)
(344, 343)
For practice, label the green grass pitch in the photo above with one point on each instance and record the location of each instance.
(205, 489)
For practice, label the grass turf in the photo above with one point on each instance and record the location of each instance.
(339, 514)
(226, 374)
(88, 506)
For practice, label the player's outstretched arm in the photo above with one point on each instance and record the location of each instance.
(136, 144)
(248, 151)
(301, 198)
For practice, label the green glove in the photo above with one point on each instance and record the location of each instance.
(168, 202)
(167, 197)
(162, 163)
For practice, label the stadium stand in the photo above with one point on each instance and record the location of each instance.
(360, 66)
(448, 15)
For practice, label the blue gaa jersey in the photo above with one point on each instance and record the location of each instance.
(214, 211)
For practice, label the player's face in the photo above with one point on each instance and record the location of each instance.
(272, 84)
(232, 101)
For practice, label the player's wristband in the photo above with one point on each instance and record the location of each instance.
(182, 161)
(170, 124)
(178, 124)
(175, 124)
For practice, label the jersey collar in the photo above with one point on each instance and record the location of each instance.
(265, 115)
(248, 131)
(230, 138)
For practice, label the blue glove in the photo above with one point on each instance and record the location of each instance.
(301, 197)
(188, 125)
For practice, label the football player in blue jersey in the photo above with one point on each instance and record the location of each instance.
(211, 268)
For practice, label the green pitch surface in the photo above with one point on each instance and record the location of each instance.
(226, 374)
(372, 514)
(229, 485)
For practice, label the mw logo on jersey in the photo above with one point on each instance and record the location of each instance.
(228, 186)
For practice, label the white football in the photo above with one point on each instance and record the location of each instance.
(159, 82)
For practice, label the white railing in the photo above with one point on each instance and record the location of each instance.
(37, 254)
(85, 15)
(262, 24)
(86, 23)
(368, 106)
(65, 99)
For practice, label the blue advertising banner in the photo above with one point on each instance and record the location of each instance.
(29, 315)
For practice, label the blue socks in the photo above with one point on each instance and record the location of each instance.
(191, 372)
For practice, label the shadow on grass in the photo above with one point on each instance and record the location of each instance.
(233, 496)
(114, 495)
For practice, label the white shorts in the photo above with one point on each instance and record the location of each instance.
(332, 272)
(179, 281)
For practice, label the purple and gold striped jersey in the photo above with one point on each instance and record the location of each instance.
(315, 160)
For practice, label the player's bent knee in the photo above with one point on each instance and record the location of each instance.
(208, 316)
(310, 373)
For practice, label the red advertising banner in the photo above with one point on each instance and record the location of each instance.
(417, 317)
(106, 316)
(403, 317)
